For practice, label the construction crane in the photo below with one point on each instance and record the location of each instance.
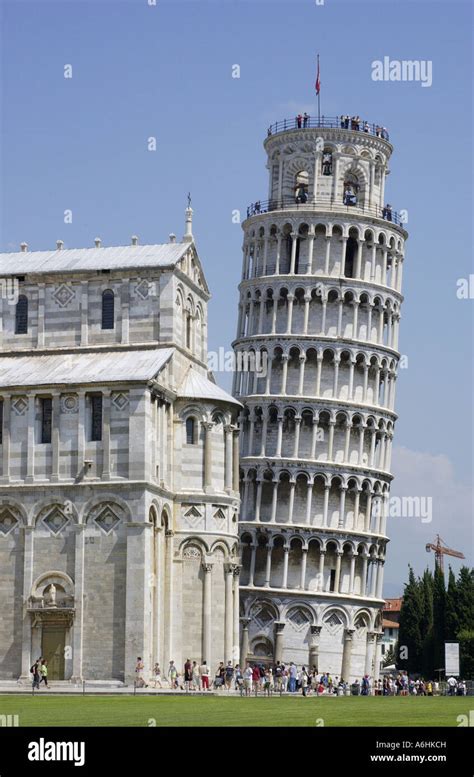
(441, 550)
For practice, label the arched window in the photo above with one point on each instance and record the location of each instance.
(351, 248)
(108, 301)
(190, 431)
(301, 186)
(21, 316)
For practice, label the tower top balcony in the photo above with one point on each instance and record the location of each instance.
(353, 125)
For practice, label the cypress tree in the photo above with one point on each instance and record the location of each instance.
(451, 616)
(439, 604)
(465, 619)
(426, 624)
(409, 633)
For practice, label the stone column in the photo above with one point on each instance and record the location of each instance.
(319, 364)
(297, 436)
(258, 500)
(278, 255)
(347, 440)
(106, 397)
(294, 242)
(278, 640)
(235, 459)
(322, 556)
(30, 450)
(286, 552)
(302, 360)
(284, 376)
(327, 256)
(304, 559)
(136, 596)
(236, 569)
(363, 578)
(332, 424)
(40, 316)
(6, 439)
(290, 299)
(346, 655)
(369, 652)
(268, 566)
(352, 573)
(244, 645)
(291, 500)
(314, 438)
(373, 579)
(78, 623)
(326, 505)
(309, 499)
(207, 615)
(313, 658)
(228, 481)
(379, 583)
(368, 512)
(309, 264)
(84, 313)
(279, 436)
(359, 258)
(274, 501)
(207, 456)
(28, 566)
(342, 507)
(253, 548)
(337, 580)
(228, 613)
(378, 640)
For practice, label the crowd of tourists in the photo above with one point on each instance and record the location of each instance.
(257, 678)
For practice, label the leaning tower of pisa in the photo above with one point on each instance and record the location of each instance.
(318, 323)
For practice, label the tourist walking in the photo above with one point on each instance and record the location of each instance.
(35, 671)
(292, 673)
(139, 669)
(228, 675)
(248, 677)
(188, 674)
(157, 673)
(44, 672)
(172, 675)
(195, 677)
(204, 671)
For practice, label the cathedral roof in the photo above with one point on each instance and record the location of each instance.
(82, 367)
(197, 386)
(83, 259)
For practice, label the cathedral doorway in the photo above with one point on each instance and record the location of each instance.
(53, 644)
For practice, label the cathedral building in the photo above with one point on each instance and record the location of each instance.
(319, 309)
(119, 479)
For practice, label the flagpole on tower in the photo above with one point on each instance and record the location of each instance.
(318, 92)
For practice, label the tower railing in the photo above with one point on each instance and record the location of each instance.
(325, 203)
(355, 124)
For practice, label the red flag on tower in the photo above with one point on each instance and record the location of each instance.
(317, 85)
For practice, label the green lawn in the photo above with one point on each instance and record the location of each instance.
(227, 711)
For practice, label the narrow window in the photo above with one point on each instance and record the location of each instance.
(188, 331)
(332, 581)
(1, 422)
(46, 416)
(96, 417)
(190, 426)
(21, 316)
(108, 301)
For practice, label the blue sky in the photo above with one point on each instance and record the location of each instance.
(165, 71)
